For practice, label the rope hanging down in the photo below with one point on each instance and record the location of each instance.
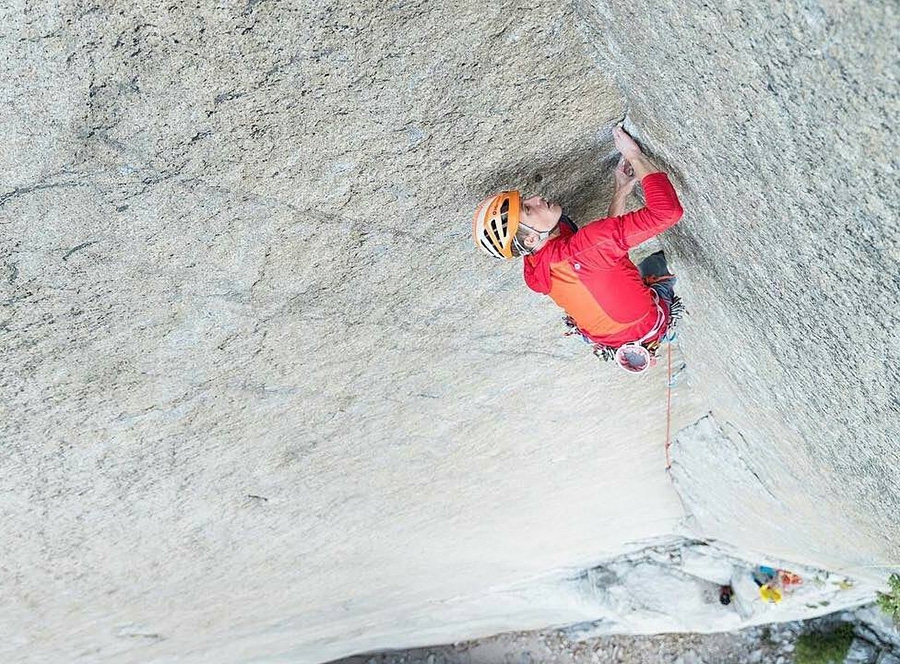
(669, 409)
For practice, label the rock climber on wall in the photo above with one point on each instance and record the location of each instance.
(587, 270)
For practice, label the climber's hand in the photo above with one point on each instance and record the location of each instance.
(625, 179)
(626, 144)
(633, 154)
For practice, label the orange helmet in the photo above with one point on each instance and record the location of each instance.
(495, 224)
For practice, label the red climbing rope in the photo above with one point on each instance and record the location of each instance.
(669, 410)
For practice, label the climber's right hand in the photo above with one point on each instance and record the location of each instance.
(626, 144)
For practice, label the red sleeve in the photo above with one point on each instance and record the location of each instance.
(611, 238)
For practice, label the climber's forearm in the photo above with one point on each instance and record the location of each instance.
(617, 204)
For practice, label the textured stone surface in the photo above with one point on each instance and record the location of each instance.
(754, 645)
(262, 402)
(750, 646)
(777, 121)
(248, 373)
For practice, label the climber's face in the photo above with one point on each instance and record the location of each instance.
(539, 213)
(541, 217)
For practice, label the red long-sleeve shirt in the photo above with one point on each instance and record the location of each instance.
(589, 274)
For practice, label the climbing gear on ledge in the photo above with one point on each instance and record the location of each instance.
(789, 579)
(774, 583)
(725, 593)
(495, 224)
(770, 593)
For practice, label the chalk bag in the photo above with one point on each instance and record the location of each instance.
(633, 358)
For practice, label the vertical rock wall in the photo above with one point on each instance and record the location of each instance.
(260, 397)
(262, 401)
(778, 122)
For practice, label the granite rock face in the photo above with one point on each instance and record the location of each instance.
(777, 122)
(263, 402)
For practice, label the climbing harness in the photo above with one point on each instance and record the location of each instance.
(642, 353)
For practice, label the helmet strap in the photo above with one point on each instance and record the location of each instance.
(523, 250)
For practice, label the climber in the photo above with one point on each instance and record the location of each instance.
(587, 271)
